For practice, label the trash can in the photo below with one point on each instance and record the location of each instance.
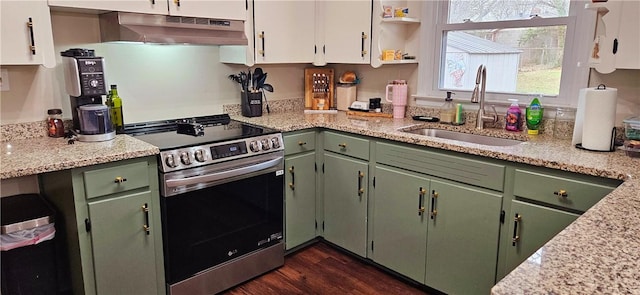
(27, 250)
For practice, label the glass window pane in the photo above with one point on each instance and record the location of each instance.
(520, 60)
(501, 10)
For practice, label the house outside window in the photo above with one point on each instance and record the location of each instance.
(531, 48)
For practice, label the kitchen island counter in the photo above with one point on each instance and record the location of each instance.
(598, 253)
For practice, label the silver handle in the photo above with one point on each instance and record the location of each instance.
(224, 174)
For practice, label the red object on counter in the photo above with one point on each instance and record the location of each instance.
(55, 125)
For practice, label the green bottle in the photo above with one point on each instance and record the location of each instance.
(116, 109)
(533, 115)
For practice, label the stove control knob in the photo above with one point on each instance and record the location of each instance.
(265, 144)
(184, 158)
(275, 143)
(199, 155)
(254, 146)
(170, 161)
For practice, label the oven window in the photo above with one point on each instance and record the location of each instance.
(206, 227)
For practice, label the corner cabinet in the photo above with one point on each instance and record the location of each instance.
(225, 9)
(395, 33)
(110, 215)
(300, 188)
(346, 180)
(26, 32)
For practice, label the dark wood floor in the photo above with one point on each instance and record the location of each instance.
(321, 269)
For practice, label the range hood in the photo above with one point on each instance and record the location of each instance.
(165, 29)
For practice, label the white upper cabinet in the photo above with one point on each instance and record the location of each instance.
(617, 37)
(221, 9)
(284, 31)
(27, 38)
(346, 36)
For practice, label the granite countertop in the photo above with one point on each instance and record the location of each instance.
(22, 157)
(598, 253)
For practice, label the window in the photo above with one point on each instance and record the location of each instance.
(529, 47)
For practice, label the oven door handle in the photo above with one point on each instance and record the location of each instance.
(224, 174)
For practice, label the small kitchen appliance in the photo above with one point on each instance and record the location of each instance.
(85, 84)
(222, 199)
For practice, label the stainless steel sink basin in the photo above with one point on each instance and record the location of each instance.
(465, 137)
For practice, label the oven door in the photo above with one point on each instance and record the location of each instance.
(217, 213)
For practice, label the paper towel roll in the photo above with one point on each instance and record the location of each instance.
(598, 117)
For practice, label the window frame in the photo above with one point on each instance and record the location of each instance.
(575, 68)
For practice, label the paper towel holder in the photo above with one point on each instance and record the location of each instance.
(612, 144)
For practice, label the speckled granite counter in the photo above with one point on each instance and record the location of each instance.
(22, 157)
(598, 253)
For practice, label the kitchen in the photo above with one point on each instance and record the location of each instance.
(203, 85)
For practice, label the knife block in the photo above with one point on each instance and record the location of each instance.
(319, 88)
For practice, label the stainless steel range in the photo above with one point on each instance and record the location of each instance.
(222, 192)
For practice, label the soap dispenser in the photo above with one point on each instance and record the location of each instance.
(514, 116)
(448, 111)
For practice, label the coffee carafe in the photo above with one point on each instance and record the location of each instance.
(85, 84)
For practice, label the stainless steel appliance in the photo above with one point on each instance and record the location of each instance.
(222, 199)
(85, 84)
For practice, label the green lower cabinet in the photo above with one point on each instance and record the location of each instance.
(345, 202)
(399, 221)
(119, 240)
(532, 226)
(463, 233)
(300, 199)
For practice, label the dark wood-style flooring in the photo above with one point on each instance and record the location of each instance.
(321, 269)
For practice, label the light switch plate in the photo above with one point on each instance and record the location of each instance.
(4, 80)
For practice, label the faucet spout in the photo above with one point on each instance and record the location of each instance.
(478, 97)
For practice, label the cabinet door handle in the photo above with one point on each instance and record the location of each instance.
(342, 145)
(145, 226)
(261, 36)
(516, 233)
(615, 45)
(360, 189)
(153, 2)
(292, 184)
(177, 2)
(119, 179)
(561, 193)
(301, 143)
(434, 212)
(33, 40)
(362, 38)
(421, 193)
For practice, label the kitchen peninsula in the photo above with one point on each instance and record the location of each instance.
(596, 254)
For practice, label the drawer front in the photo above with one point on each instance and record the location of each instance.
(457, 168)
(567, 192)
(347, 145)
(105, 181)
(299, 142)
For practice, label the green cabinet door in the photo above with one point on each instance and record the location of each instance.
(463, 232)
(300, 199)
(399, 224)
(123, 253)
(345, 202)
(535, 225)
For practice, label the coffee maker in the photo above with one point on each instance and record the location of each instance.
(85, 84)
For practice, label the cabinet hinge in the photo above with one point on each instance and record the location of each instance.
(371, 246)
(374, 181)
(315, 167)
(87, 224)
(502, 213)
(323, 226)
(323, 50)
(322, 168)
(315, 49)
(316, 227)
(246, 4)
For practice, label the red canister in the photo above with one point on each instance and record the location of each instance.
(55, 126)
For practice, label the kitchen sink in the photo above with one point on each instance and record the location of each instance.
(465, 137)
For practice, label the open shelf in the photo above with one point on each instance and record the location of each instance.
(400, 61)
(401, 20)
(600, 7)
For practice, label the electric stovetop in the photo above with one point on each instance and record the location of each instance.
(216, 128)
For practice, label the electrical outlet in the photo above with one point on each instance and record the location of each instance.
(4, 80)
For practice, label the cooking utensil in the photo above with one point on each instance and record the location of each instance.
(267, 87)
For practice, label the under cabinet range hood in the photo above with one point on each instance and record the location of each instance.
(165, 29)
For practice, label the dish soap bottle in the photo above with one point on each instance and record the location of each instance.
(115, 105)
(448, 112)
(513, 118)
(534, 116)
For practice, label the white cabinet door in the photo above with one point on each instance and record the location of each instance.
(222, 9)
(139, 6)
(284, 31)
(619, 47)
(629, 36)
(347, 31)
(27, 38)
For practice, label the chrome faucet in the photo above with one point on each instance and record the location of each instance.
(478, 96)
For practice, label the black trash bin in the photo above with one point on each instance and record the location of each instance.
(27, 255)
